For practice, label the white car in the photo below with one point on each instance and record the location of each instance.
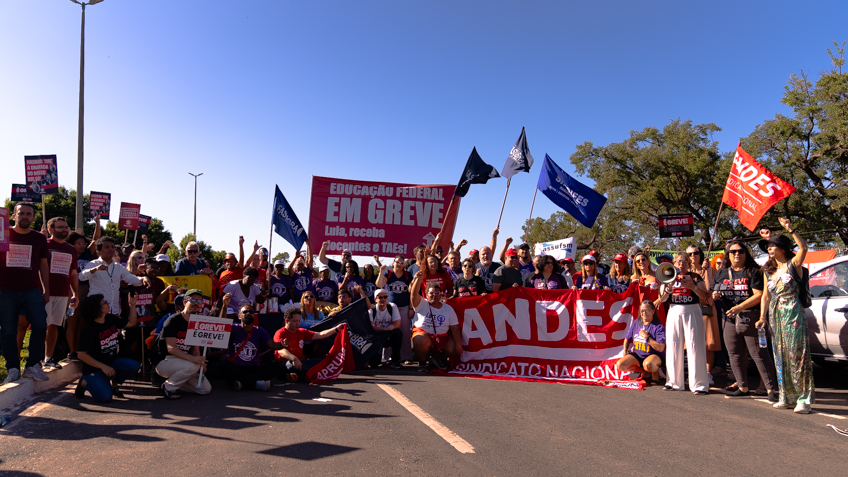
(827, 318)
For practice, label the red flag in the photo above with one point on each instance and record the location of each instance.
(337, 361)
(752, 189)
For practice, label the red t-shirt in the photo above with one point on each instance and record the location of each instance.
(296, 339)
(62, 258)
(20, 266)
(443, 279)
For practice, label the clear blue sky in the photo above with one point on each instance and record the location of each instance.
(253, 93)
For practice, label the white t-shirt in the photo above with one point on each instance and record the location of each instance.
(426, 316)
(238, 299)
(382, 319)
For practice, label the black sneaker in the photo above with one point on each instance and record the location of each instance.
(50, 363)
(438, 363)
(236, 385)
(73, 357)
(738, 394)
(79, 392)
(395, 365)
(773, 397)
(422, 367)
(169, 394)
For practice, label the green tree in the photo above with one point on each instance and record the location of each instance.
(810, 151)
(284, 256)
(60, 204)
(653, 172)
(156, 234)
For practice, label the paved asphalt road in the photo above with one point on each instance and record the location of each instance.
(515, 428)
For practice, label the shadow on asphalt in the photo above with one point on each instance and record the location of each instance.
(309, 450)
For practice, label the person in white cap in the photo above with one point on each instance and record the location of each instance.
(590, 278)
(326, 289)
(164, 262)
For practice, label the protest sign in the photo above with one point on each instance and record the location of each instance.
(4, 229)
(200, 282)
(377, 218)
(42, 176)
(569, 336)
(99, 203)
(677, 225)
(579, 200)
(144, 222)
(208, 331)
(559, 249)
(21, 193)
(752, 190)
(128, 218)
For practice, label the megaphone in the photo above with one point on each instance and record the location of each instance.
(667, 273)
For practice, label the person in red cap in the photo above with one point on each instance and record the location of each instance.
(619, 275)
(590, 278)
(474, 254)
(508, 275)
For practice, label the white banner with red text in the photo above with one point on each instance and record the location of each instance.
(565, 336)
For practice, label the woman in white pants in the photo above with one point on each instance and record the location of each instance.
(684, 325)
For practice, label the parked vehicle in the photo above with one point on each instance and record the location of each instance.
(827, 319)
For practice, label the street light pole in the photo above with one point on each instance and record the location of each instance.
(195, 202)
(79, 220)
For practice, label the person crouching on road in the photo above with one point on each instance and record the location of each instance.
(292, 337)
(685, 325)
(647, 335)
(385, 318)
(433, 321)
(242, 366)
(182, 362)
(100, 346)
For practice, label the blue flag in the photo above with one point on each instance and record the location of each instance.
(580, 201)
(285, 221)
(476, 172)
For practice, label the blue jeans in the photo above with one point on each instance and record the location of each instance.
(29, 303)
(99, 385)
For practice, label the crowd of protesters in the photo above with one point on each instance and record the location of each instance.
(91, 288)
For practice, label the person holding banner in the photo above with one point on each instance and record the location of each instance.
(101, 344)
(643, 272)
(182, 362)
(547, 276)
(781, 307)
(589, 278)
(292, 337)
(434, 321)
(684, 325)
(739, 286)
(468, 284)
(396, 282)
(620, 273)
(486, 268)
(647, 337)
(242, 367)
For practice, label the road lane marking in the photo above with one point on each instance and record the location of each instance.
(31, 412)
(457, 442)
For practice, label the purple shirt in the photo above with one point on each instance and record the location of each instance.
(249, 355)
(280, 287)
(326, 290)
(554, 282)
(352, 282)
(655, 330)
(301, 282)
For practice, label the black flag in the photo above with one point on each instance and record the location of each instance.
(476, 172)
(364, 341)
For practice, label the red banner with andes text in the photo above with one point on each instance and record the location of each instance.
(378, 218)
(566, 336)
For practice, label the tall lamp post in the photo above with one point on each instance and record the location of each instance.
(195, 201)
(79, 220)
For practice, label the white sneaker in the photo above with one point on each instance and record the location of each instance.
(14, 375)
(35, 373)
(801, 408)
(263, 385)
(712, 383)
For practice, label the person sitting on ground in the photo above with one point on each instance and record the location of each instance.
(469, 284)
(100, 349)
(192, 264)
(182, 362)
(292, 337)
(326, 289)
(241, 366)
(647, 336)
(310, 314)
(345, 298)
(620, 273)
(509, 275)
(589, 278)
(547, 276)
(386, 318)
(434, 321)
(246, 290)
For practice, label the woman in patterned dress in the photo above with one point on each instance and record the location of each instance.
(782, 308)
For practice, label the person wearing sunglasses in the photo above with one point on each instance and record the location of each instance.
(468, 284)
(547, 276)
(589, 277)
(739, 286)
(643, 272)
(396, 282)
(310, 314)
(242, 366)
(192, 264)
(385, 318)
(709, 314)
(620, 273)
(182, 362)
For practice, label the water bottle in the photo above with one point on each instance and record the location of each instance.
(5, 420)
(761, 334)
(71, 311)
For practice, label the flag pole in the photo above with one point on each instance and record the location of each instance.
(715, 229)
(504, 201)
(135, 236)
(532, 204)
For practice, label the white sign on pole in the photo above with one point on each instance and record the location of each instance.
(208, 331)
(559, 249)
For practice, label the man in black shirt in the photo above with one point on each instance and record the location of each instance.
(182, 363)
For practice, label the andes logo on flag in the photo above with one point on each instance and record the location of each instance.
(752, 189)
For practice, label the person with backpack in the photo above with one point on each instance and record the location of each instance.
(739, 286)
(386, 319)
(396, 282)
(782, 306)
